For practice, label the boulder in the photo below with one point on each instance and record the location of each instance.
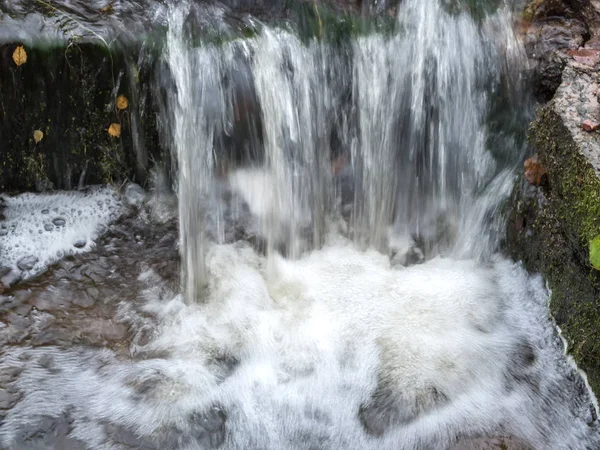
(552, 227)
(553, 30)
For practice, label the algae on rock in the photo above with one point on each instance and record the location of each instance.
(552, 228)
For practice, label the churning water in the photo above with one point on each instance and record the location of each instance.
(340, 221)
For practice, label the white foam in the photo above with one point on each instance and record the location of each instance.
(309, 344)
(46, 227)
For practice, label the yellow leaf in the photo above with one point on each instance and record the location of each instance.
(20, 55)
(38, 135)
(122, 102)
(107, 9)
(114, 130)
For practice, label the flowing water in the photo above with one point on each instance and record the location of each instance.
(340, 223)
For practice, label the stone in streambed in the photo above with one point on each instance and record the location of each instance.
(59, 221)
(80, 243)
(11, 278)
(27, 262)
(134, 195)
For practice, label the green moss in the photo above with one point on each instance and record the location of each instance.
(35, 168)
(562, 230)
(572, 177)
(595, 253)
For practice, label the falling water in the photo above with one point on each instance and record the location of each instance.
(404, 116)
(339, 207)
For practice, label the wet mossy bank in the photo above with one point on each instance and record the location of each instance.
(56, 108)
(552, 226)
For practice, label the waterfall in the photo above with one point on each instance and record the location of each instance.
(339, 203)
(406, 113)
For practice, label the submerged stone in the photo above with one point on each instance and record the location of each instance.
(27, 262)
(59, 222)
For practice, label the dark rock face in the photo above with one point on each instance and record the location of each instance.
(68, 92)
(553, 30)
(547, 42)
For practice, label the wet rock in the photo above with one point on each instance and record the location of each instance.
(59, 221)
(80, 243)
(128, 438)
(558, 227)
(134, 194)
(590, 125)
(8, 399)
(44, 434)
(209, 431)
(4, 270)
(388, 408)
(585, 56)
(93, 293)
(547, 43)
(27, 262)
(9, 374)
(535, 173)
(11, 278)
(45, 211)
(82, 299)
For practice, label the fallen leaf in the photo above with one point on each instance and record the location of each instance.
(595, 253)
(107, 9)
(534, 171)
(122, 102)
(114, 130)
(38, 135)
(590, 125)
(20, 55)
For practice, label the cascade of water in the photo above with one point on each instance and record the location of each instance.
(408, 112)
(197, 105)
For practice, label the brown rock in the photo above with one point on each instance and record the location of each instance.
(590, 125)
(535, 173)
(586, 56)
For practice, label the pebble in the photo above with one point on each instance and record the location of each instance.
(27, 262)
(59, 221)
(134, 194)
(11, 278)
(48, 227)
(8, 399)
(93, 292)
(83, 299)
(80, 243)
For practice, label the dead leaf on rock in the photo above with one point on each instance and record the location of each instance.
(122, 102)
(114, 130)
(19, 55)
(590, 125)
(534, 171)
(107, 9)
(38, 135)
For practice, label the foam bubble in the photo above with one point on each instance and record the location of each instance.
(334, 350)
(41, 228)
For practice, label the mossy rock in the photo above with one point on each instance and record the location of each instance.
(551, 231)
(67, 91)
